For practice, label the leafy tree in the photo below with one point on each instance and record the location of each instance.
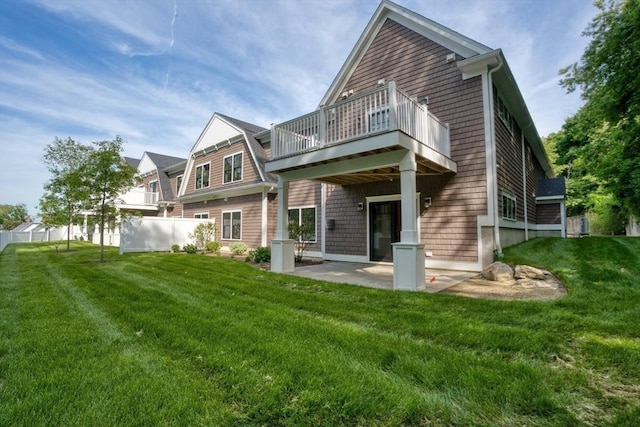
(13, 215)
(67, 192)
(609, 122)
(110, 176)
(301, 235)
(202, 234)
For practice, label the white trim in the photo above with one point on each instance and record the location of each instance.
(231, 225)
(323, 212)
(264, 226)
(232, 167)
(195, 176)
(181, 182)
(546, 200)
(509, 195)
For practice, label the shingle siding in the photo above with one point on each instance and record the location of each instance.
(419, 68)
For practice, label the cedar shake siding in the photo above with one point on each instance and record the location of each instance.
(251, 208)
(449, 226)
(216, 159)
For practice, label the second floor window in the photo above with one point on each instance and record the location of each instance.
(202, 176)
(178, 183)
(233, 168)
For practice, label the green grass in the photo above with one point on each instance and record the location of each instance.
(175, 339)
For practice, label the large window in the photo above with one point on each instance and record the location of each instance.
(508, 206)
(202, 176)
(233, 168)
(232, 225)
(305, 216)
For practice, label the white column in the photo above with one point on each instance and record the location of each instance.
(408, 254)
(393, 105)
(282, 259)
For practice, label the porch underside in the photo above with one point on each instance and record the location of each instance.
(367, 160)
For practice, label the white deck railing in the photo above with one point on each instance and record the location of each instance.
(139, 196)
(383, 109)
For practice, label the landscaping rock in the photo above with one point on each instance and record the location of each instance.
(528, 272)
(498, 272)
(527, 283)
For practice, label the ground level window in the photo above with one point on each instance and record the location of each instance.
(305, 216)
(508, 206)
(201, 215)
(232, 225)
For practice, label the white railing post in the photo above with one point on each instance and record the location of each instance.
(275, 153)
(393, 105)
(322, 126)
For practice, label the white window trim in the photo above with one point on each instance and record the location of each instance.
(505, 115)
(315, 210)
(181, 177)
(513, 198)
(198, 215)
(231, 230)
(195, 176)
(157, 185)
(242, 167)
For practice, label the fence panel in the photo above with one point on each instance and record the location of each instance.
(148, 234)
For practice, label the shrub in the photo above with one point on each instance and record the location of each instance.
(202, 234)
(238, 248)
(301, 235)
(175, 248)
(214, 247)
(260, 254)
(190, 248)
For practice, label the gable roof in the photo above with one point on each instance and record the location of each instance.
(131, 161)
(163, 162)
(387, 9)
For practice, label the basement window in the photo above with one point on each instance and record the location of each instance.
(508, 206)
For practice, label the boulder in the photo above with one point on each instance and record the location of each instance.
(527, 283)
(528, 272)
(498, 272)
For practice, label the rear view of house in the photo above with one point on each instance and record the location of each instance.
(426, 153)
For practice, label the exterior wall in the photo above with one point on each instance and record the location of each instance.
(216, 158)
(449, 226)
(251, 207)
(549, 213)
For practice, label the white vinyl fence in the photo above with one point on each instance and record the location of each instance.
(149, 234)
(7, 237)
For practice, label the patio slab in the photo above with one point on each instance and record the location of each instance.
(378, 276)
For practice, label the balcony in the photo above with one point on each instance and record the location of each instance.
(374, 123)
(138, 198)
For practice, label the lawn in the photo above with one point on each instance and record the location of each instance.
(176, 339)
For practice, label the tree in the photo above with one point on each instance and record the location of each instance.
(608, 76)
(13, 215)
(66, 193)
(110, 176)
(301, 235)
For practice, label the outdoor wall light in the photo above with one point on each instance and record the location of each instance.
(427, 202)
(331, 224)
(360, 206)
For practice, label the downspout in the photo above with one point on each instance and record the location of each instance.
(497, 247)
(524, 189)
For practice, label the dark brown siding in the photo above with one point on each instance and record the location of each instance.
(418, 65)
(549, 214)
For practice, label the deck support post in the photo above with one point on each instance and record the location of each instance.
(282, 254)
(408, 254)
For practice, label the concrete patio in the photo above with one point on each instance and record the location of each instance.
(378, 276)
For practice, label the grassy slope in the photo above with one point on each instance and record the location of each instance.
(157, 339)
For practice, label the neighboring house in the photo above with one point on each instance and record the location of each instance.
(160, 178)
(426, 153)
(225, 180)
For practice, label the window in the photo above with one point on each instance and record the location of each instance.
(232, 225)
(508, 206)
(202, 215)
(304, 216)
(178, 183)
(233, 168)
(202, 176)
(505, 115)
(153, 187)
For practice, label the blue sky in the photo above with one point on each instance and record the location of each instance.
(154, 71)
